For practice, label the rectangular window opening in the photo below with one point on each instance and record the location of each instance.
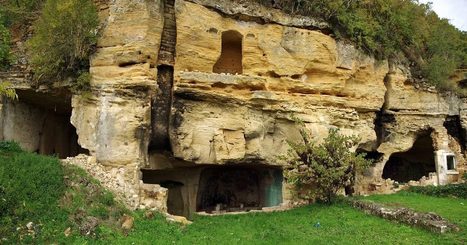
(451, 162)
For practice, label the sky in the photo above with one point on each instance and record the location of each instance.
(454, 10)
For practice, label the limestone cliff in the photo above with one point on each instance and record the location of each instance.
(178, 86)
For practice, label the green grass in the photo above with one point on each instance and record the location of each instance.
(38, 189)
(56, 197)
(340, 224)
(451, 190)
(453, 209)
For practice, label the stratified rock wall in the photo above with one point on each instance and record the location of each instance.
(220, 82)
(287, 71)
(113, 122)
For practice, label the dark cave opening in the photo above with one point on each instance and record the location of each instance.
(413, 164)
(239, 189)
(58, 137)
(373, 156)
(40, 122)
(227, 188)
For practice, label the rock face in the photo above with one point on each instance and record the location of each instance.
(286, 71)
(222, 81)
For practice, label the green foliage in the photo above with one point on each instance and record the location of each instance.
(30, 186)
(452, 190)
(9, 147)
(64, 37)
(5, 55)
(319, 171)
(38, 189)
(14, 14)
(82, 83)
(386, 28)
(19, 12)
(7, 90)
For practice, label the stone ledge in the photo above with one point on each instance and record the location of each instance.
(429, 221)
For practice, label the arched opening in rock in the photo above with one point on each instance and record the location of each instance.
(40, 122)
(230, 60)
(413, 164)
(207, 188)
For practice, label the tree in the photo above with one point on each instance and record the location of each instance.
(64, 37)
(319, 171)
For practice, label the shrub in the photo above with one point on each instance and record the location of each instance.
(9, 147)
(319, 171)
(6, 89)
(82, 83)
(452, 190)
(64, 37)
(19, 12)
(5, 56)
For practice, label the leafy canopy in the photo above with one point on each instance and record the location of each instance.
(64, 37)
(319, 171)
(14, 14)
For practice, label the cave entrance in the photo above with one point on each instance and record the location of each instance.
(230, 60)
(182, 185)
(206, 188)
(233, 189)
(40, 122)
(413, 164)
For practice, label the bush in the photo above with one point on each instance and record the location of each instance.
(319, 171)
(64, 37)
(6, 89)
(5, 56)
(452, 190)
(9, 147)
(19, 12)
(82, 83)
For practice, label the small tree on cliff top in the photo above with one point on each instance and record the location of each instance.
(64, 37)
(319, 171)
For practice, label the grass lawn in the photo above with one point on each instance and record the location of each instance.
(453, 209)
(339, 224)
(38, 189)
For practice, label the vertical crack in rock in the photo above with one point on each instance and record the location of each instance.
(382, 117)
(162, 101)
